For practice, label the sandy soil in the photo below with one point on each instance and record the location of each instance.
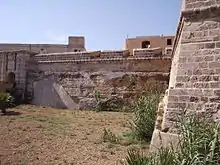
(38, 135)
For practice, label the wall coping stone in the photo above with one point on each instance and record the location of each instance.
(104, 60)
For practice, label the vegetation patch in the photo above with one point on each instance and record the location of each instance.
(109, 136)
(6, 101)
(144, 111)
(112, 104)
(199, 145)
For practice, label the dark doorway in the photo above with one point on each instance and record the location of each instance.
(10, 77)
(169, 41)
(145, 44)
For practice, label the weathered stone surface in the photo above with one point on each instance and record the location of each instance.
(194, 80)
(81, 86)
(69, 80)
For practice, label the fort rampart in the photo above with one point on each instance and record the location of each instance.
(69, 80)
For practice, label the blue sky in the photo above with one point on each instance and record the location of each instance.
(104, 23)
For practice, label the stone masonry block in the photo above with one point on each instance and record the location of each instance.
(203, 65)
(206, 58)
(205, 78)
(173, 98)
(216, 78)
(214, 32)
(197, 71)
(184, 98)
(215, 64)
(217, 92)
(207, 92)
(208, 71)
(214, 85)
(210, 45)
(217, 44)
(180, 85)
(178, 92)
(201, 85)
(182, 78)
(192, 46)
(197, 4)
(209, 52)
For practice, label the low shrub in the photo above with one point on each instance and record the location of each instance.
(163, 157)
(199, 145)
(6, 101)
(145, 115)
(111, 104)
(109, 136)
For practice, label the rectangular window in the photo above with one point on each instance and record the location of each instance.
(169, 41)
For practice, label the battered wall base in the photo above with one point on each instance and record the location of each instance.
(161, 139)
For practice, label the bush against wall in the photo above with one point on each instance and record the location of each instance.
(111, 104)
(6, 101)
(199, 145)
(145, 111)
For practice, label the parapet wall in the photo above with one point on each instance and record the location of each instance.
(90, 56)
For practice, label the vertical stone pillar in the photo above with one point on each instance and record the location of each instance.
(195, 73)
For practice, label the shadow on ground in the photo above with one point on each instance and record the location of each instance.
(10, 113)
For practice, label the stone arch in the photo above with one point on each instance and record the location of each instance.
(145, 44)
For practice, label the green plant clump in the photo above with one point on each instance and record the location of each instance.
(199, 145)
(111, 104)
(145, 115)
(109, 136)
(6, 101)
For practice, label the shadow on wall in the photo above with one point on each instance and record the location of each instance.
(48, 93)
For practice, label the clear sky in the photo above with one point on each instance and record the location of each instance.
(104, 23)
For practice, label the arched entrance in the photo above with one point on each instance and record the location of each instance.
(10, 78)
(145, 44)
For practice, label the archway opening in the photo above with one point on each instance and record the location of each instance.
(10, 77)
(145, 44)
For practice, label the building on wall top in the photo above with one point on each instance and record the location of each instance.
(142, 42)
(75, 44)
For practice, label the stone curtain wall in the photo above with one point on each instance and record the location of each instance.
(195, 74)
(76, 76)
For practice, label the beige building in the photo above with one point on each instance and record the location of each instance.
(164, 42)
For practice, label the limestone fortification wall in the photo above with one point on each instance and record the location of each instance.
(70, 79)
(194, 86)
(76, 76)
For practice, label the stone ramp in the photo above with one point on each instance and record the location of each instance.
(48, 93)
(65, 97)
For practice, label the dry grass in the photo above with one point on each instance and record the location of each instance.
(41, 135)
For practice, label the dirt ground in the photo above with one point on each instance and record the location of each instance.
(32, 135)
